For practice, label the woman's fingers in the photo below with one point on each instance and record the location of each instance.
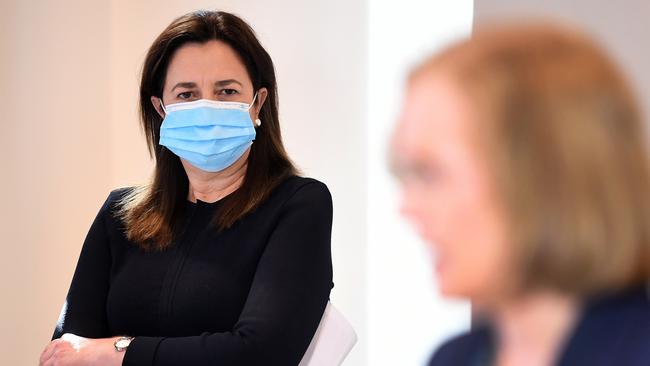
(47, 352)
(55, 347)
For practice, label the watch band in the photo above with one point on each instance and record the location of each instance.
(122, 343)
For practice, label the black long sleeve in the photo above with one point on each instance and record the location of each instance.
(249, 295)
(84, 312)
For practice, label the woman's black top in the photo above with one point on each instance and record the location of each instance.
(613, 330)
(252, 294)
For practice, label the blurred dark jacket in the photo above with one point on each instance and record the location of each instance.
(613, 330)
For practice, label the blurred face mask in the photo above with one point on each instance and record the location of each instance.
(210, 135)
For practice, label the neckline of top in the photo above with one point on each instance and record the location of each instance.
(204, 204)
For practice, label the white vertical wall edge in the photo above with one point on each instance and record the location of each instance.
(407, 318)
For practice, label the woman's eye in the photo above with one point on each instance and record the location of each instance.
(229, 91)
(185, 95)
(422, 174)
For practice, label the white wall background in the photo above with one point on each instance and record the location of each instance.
(54, 98)
(69, 74)
(620, 26)
(406, 315)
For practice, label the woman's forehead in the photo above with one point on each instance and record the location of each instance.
(206, 62)
(435, 106)
(436, 123)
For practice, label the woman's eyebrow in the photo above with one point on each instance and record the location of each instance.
(226, 82)
(185, 84)
(190, 84)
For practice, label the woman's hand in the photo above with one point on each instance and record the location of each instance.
(72, 350)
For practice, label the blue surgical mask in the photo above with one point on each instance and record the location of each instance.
(210, 135)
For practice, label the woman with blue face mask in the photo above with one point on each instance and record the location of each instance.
(224, 257)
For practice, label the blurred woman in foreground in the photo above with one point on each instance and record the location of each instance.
(524, 164)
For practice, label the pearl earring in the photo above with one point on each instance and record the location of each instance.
(258, 122)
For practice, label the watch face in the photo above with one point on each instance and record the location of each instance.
(122, 343)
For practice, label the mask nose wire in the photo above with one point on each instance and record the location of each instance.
(162, 105)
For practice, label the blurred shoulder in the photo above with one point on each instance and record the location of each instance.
(466, 349)
(614, 329)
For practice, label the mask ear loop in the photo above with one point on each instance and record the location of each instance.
(252, 102)
(258, 122)
(162, 105)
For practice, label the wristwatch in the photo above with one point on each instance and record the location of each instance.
(122, 343)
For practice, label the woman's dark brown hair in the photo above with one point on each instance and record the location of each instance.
(151, 211)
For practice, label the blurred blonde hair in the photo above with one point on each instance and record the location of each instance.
(565, 142)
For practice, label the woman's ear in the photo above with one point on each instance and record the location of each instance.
(262, 93)
(157, 104)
